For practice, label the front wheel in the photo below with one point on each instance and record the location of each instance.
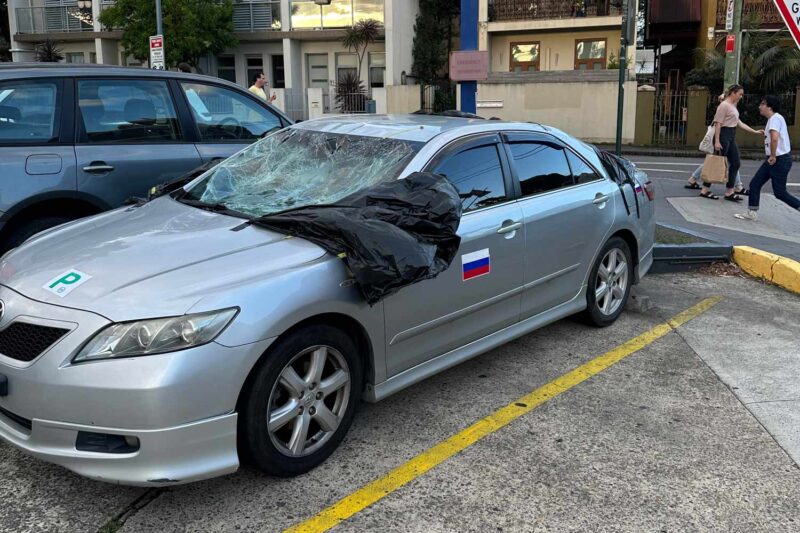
(609, 285)
(301, 401)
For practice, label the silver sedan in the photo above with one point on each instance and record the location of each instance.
(164, 343)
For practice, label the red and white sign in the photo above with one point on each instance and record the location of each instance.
(157, 52)
(469, 65)
(790, 11)
(730, 44)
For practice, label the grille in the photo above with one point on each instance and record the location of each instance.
(24, 342)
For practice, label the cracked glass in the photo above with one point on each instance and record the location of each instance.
(296, 168)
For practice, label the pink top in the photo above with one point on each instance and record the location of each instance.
(727, 115)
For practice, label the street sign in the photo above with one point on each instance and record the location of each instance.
(157, 52)
(790, 11)
(730, 44)
(469, 65)
(729, 16)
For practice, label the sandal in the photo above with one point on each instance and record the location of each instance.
(694, 185)
(733, 198)
(743, 192)
(710, 195)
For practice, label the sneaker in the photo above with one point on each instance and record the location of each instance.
(750, 215)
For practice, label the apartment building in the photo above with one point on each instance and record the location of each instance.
(296, 43)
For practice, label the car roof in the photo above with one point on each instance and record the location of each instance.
(411, 127)
(51, 70)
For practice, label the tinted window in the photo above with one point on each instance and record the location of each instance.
(29, 112)
(225, 115)
(581, 172)
(477, 175)
(127, 111)
(540, 167)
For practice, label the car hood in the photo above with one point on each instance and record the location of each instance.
(159, 259)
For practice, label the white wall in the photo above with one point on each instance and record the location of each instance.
(587, 110)
(400, 16)
(379, 95)
(403, 99)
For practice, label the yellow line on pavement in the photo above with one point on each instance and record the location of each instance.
(414, 468)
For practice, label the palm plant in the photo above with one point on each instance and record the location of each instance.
(350, 94)
(358, 37)
(48, 52)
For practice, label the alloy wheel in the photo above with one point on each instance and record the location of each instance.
(612, 282)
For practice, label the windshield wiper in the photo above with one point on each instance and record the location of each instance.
(214, 208)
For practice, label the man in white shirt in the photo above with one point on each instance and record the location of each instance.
(258, 88)
(778, 163)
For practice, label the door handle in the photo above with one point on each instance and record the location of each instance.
(511, 227)
(600, 199)
(97, 167)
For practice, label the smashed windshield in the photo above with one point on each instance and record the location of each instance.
(295, 168)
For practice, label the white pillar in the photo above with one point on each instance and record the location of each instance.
(399, 19)
(19, 51)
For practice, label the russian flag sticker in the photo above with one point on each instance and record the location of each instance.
(476, 264)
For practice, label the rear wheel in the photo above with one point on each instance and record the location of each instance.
(31, 227)
(301, 401)
(609, 284)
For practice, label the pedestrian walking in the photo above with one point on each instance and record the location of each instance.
(726, 121)
(779, 160)
(260, 87)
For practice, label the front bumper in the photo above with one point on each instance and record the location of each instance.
(180, 405)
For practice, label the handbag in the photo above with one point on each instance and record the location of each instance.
(707, 144)
(715, 169)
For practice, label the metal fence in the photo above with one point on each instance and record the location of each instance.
(670, 117)
(256, 15)
(505, 10)
(748, 109)
(295, 104)
(438, 97)
(764, 10)
(351, 103)
(53, 19)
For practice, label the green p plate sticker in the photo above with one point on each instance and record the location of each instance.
(67, 282)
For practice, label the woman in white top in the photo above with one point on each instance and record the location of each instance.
(779, 160)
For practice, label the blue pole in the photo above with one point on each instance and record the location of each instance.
(469, 41)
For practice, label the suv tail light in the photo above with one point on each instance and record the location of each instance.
(650, 191)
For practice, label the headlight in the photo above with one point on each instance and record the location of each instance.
(160, 335)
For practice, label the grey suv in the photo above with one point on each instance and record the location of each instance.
(75, 141)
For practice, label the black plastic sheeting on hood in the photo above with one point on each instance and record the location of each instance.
(392, 234)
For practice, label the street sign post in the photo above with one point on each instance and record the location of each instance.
(790, 11)
(157, 52)
(729, 16)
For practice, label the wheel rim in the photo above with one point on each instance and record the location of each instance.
(308, 401)
(612, 282)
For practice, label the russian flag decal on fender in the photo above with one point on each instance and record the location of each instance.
(476, 264)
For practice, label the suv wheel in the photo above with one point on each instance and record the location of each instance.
(29, 228)
(610, 283)
(301, 401)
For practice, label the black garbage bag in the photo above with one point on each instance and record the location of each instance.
(390, 235)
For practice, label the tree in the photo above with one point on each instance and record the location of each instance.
(359, 36)
(48, 52)
(770, 62)
(192, 28)
(433, 37)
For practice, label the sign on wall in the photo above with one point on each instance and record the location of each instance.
(469, 65)
(790, 11)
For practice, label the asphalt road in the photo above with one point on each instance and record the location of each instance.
(669, 176)
(693, 429)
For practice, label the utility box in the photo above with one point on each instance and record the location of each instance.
(370, 106)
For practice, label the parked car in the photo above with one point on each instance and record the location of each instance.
(75, 141)
(161, 343)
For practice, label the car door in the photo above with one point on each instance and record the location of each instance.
(226, 120)
(568, 211)
(36, 154)
(129, 138)
(479, 293)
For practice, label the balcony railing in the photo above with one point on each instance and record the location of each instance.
(764, 10)
(256, 15)
(511, 10)
(53, 19)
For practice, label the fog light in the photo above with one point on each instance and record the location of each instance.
(106, 443)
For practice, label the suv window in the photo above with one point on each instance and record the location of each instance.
(478, 176)
(224, 115)
(29, 112)
(540, 167)
(127, 111)
(581, 172)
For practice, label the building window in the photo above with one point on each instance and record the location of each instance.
(377, 69)
(226, 68)
(346, 64)
(524, 57)
(93, 57)
(590, 54)
(75, 57)
(338, 14)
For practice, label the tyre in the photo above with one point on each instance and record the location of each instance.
(301, 401)
(609, 284)
(29, 228)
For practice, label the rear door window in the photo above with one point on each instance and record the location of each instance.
(581, 172)
(29, 112)
(478, 176)
(127, 111)
(540, 167)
